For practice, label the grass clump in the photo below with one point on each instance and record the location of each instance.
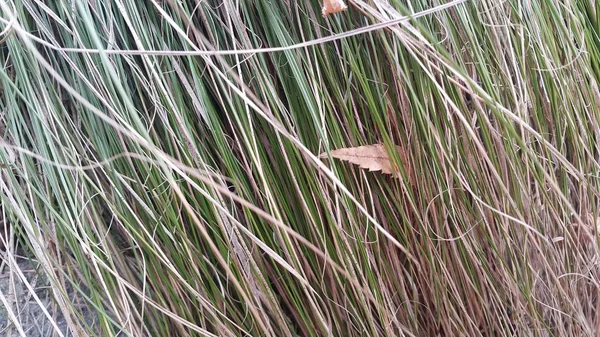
(162, 159)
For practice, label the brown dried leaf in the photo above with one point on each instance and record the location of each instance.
(371, 157)
(333, 6)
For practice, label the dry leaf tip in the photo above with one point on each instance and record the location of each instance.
(333, 6)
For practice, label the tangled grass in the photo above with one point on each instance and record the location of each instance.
(161, 158)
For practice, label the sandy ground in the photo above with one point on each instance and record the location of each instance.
(15, 297)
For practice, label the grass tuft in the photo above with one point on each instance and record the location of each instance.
(160, 160)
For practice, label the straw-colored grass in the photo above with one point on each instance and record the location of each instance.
(162, 158)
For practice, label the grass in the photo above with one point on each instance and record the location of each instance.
(162, 159)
